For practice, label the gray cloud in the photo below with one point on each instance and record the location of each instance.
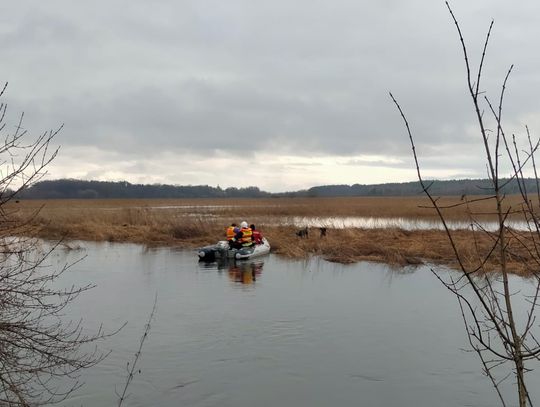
(304, 78)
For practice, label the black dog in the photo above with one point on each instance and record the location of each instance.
(323, 232)
(302, 233)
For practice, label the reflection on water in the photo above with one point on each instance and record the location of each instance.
(245, 272)
(298, 333)
(399, 223)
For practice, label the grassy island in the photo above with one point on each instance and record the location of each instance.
(195, 222)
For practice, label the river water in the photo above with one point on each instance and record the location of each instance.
(272, 332)
(367, 222)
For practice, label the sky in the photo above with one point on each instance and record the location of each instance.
(283, 95)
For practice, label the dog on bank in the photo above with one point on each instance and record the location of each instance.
(303, 233)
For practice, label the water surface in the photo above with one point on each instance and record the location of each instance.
(368, 222)
(272, 332)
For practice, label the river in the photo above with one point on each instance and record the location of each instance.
(273, 332)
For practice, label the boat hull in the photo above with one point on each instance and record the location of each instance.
(221, 250)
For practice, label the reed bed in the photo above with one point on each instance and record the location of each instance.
(193, 223)
(376, 207)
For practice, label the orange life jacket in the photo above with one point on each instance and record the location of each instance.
(230, 233)
(246, 236)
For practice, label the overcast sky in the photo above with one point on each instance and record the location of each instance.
(278, 94)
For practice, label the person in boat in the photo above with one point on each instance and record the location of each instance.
(256, 234)
(231, 234)
(244, 238)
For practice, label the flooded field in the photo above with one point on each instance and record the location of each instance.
(395, 223)
(272, 332)
(393, 230)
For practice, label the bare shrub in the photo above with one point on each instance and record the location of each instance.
(505, 341)
(39, 350)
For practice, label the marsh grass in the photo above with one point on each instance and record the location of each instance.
(192, 223)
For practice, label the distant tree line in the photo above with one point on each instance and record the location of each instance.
(450, 187)
(79, 189)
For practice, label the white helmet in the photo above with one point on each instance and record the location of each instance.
(244, 225)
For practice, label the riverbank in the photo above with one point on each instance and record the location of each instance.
(193, 223)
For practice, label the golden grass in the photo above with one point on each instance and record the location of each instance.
(398, 207)
(197, 222)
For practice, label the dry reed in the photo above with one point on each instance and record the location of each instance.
(192, 223)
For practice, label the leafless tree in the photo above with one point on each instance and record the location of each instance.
(505, 337)
(40, 351)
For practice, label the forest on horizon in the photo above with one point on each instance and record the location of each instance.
(81, 189)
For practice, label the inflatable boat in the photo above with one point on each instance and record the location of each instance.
(221, 250)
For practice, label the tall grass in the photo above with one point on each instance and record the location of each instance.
(190, 223)
(376, 207)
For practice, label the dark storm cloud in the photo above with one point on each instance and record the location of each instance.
(299, 78)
